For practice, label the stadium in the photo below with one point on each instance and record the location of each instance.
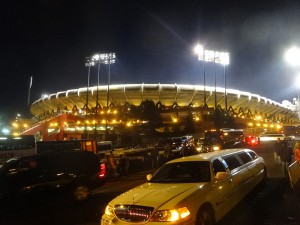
(94, 112)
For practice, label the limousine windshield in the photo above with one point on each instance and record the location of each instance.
(183, 172)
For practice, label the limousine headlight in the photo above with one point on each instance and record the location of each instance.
(109, 211)
(170, 215)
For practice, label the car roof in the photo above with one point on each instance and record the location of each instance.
(208, 156)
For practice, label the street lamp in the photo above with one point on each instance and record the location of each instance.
(88, 63)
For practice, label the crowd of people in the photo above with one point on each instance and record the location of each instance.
(284, 154)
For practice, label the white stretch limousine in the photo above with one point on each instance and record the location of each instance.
(196, 190)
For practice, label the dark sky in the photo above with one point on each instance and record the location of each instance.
(153, 41)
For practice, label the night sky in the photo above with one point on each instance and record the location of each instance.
(153, 41)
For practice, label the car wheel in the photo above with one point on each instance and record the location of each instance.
(81, 192)
(205, 216)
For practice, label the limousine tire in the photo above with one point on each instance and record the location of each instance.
(205, 216)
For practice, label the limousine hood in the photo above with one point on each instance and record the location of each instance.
(156, 194)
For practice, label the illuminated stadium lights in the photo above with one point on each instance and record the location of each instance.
(104, 58)
(206, 55)
(200, 52)
(298, 85)
(110, 60)
(292, 56)
(88, 63)
(224, 60)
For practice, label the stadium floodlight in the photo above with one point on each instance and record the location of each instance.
(298, 85)
(98, 58)
(224, 60)
(111, 58)
(216, 57)
(89, 62)
(292, 56)
(199, 50)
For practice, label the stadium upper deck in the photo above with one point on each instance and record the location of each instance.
(182, 96)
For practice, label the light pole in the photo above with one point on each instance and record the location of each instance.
(292, 56)
(88, 63)
(224, 60)
(110, 58)
(98, 58)
(199, 50)
(298, 86)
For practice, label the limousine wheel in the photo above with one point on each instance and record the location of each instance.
(265, 180)
(205, 216)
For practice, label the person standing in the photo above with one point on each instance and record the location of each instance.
(286, 153)
(277, 149)
(155, 155)
(123, 167)
(112, 166)
(297, 151)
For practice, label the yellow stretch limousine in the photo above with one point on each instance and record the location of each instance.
(196, 190)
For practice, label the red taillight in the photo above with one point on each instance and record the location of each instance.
(102, 171)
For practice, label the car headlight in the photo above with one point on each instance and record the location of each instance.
(216, 148)
(170, 215)
(109, 211)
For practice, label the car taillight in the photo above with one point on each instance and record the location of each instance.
(102, 171)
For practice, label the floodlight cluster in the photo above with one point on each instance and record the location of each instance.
(105, 58)
(212, 56)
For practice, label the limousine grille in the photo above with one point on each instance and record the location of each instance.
(133, 213)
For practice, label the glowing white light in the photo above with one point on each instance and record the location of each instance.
(199, 51)
(5, 131)
(298, 80)
(292, 56)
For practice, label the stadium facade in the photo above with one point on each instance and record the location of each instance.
(94, 111)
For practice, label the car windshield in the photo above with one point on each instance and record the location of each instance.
(183, 172)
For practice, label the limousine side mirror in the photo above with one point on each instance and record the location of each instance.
(149, 176)
(221, 175)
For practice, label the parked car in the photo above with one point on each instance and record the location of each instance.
(251, 140)
(271, 137)
(198, 189)
(222, 139)
(76, 172)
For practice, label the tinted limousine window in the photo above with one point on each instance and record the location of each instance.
(232, 162)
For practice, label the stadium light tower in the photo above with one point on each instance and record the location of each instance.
(88, 63)
(199, 50)
(298, 86)
(217, 58)
(292, 56)
(110, 58)
(98, 58)
(224, 60)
